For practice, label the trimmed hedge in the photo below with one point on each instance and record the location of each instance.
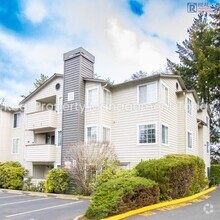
(57, 181)
(12, 175)
(215, 174)
(177, 175)
(120, 195)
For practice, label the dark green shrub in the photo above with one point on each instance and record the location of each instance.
(57, 181)
(29, 186)
(177, 175)
(113, 172)
(12, 175)
(215, 174)
(120, 195)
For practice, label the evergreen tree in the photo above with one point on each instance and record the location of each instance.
(40, 81)
(199, 64)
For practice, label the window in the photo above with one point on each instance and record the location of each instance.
(92, 97)
(207, 147)
(106, 134)
(59, 138)
(147, 93)
(189, 139)
(147, 134)
(60, 104)
(92, 133)
(164, 134)
(107, 98)
(189, 106)
(16, 120)
(15, 145)
(164, 94)
(207, 121)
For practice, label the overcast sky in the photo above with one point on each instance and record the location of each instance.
(124, 35)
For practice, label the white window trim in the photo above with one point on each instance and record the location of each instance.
(18, 146)
(104, 126)
(57, 131)
(58, 107)
(189, 148)
(147, 123)
(187, 106)
(166, 125)
(145, 84)
(92, 125)
(164, 84)
(19, 121)
(87, 96)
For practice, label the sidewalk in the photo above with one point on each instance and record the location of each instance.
(40, 194)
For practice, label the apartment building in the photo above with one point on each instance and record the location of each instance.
(144, 119)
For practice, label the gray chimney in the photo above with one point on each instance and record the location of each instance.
(78, 63)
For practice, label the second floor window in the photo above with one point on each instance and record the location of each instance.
(15, 145)
(148, 93)
(164, 94)
(92, 97)
(189, 106)
(107, 98)
(147, 134)
(91, 133)
(16, 120)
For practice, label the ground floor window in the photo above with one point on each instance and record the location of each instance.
(189, 137)
(164, 134)
(92, 133)
(147, 133)
(106, 134)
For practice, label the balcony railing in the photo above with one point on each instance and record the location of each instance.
(41, 120)
(40, 153)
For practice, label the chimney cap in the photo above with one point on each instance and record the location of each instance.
(79, 52)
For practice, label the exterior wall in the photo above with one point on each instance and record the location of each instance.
(191, 126)
(169, 117)
(204, 137)
(7, 133)
(125, 119)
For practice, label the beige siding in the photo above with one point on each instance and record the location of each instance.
(126, 115)
(192, 126)
(169, 117)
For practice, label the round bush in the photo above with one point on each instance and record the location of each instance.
(177, 175)
(57, 181)
(120, 195)
(12, 175)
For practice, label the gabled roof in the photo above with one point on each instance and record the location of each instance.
(55, 75)
(151, 78)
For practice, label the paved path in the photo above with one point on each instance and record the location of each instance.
(204, 208)
(24, 207)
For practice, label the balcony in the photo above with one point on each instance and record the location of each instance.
(41, 120)
(41, 153)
